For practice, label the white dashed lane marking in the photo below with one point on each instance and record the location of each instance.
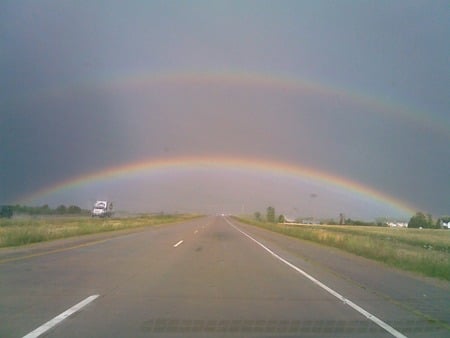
(175, 245)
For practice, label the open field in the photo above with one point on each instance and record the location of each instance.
(15, 232)
(424, 251)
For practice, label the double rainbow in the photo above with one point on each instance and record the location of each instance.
(145, 81)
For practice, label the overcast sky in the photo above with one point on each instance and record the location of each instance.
(356, 89)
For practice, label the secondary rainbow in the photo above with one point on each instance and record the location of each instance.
(144, 79)
(225, 163)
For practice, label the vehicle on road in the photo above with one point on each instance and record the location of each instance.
(102, 209)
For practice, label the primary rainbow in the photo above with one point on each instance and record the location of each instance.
(215, 163)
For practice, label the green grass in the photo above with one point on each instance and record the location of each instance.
(16, 232)
(424, 251)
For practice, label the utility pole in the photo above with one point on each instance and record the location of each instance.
(313, 196)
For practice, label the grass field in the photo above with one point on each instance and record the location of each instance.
(424, 251)
(16, 232)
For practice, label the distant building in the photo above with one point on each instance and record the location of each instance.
(397, 224)
(288, 220)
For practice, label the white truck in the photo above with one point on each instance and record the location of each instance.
(102, 209)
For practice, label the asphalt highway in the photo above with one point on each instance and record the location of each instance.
(211, 277)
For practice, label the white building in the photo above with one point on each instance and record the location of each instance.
(397, 224)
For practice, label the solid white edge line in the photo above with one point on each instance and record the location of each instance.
(175, 245)
(58, 319)
(354, 306)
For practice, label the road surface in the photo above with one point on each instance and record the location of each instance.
(211, 277)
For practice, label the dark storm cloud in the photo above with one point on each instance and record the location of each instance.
(46, 141)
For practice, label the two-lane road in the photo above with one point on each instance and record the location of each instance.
(215, 277)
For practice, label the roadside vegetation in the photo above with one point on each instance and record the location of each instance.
(27, 230)
(424, 251)
(7, 211)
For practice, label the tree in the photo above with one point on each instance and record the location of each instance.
(45, 210)
(73, 209)
(430, 221)
(6, 211)
(420, 220)
(270, 214)
(258, 216)
(281, 219)
(61, 209)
